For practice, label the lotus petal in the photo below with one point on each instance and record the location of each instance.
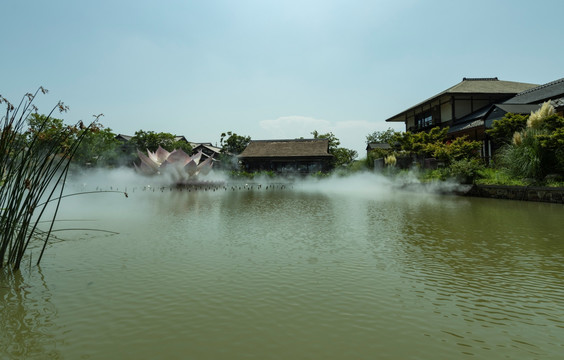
(197, 157)
(205, 166)
(179, 156)
(147, 161)
(158, 156)
(162, 154)
(191, 168)
(144, 169)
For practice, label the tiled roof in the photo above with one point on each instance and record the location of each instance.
(548, 91)
(466, 126)
(373, 146)
(286, 148)
(475, 86)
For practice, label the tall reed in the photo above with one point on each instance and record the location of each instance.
(33, 172)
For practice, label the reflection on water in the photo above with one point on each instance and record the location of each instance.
(28, 318)
(299, 274)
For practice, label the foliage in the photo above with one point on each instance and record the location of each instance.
(493, 176)
(341, 156)
(150, 140)
(32, 172)
(421, 143)
(386, 137)
(358, 165)
(344, 156)
(320, 175)
(234, 144)
(537, 150)
(434, 144)
(50, 132)
(390, 160)
(234, 174)
(98, 147)
(466, 170)
(525, 157)
(454, 150)
(536, 118)
(503, 129)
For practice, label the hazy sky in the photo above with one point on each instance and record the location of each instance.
(267, 69)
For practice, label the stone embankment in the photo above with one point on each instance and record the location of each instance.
(523, 193)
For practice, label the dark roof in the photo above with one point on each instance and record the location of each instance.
(487, 114)
(180, 138)
(548, 91)
(498, 111)
(287, 148)
(207, 146)
(466, 126)
(474, 86)
(128, 137)
(476, 115)
(123, 137)
(373, 146)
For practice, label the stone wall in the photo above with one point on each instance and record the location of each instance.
(524, 193)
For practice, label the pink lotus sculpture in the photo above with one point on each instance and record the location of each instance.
(177, 163)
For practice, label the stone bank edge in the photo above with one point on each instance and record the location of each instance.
(523, 193)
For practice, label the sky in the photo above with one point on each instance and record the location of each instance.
(267, 69)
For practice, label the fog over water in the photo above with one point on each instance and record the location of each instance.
(356, 184)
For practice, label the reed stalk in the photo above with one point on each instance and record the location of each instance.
(32, 173)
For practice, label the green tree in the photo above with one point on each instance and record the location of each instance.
(386, 137)
(99, 146)
(233, 144)
(502, 130)
(341, 156)
(50, 133)
(150, 140)
(421, 143)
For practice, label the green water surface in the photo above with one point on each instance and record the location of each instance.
(294, 273)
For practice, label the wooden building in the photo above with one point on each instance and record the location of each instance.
(465, 108)
(299, 156)
(207, 149)
(450, 106)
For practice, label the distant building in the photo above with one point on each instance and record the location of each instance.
(471, 106)
(123, 138)
(374, 146)
(207, 150)
(287, 156)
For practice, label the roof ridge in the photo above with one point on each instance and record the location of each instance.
(286, 140)
(528, 91)
(480, 79)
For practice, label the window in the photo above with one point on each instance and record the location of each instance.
(423, 120)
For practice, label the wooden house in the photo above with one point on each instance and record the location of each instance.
(450, 106)
(287, 156)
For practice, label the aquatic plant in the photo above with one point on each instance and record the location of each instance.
(177, 163)
(33, 174)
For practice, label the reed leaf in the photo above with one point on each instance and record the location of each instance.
(32, 173)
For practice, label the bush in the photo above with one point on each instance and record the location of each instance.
(466, 170)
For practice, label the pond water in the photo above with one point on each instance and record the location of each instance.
(344, 269)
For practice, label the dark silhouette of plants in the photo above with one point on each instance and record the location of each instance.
(33, 173)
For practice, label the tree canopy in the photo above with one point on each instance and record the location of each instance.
(150, 140)
(233, 144)
(502, 130)
(386, 136)
(341, 156)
